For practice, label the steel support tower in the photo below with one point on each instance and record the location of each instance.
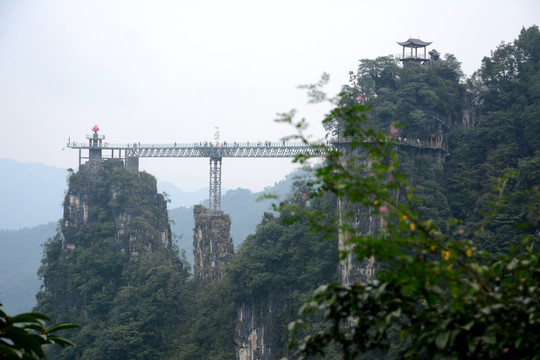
(215, 184)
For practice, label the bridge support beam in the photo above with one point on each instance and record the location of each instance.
(215, 183)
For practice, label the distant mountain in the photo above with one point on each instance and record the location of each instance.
(20, 258)
(31, 194)
(180, 198)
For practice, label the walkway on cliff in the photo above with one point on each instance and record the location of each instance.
(217, 150)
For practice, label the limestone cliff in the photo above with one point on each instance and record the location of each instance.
(112, 268)
(425, 171)
(106, 191)
(259, 329)
(213, 247)
(351, 270)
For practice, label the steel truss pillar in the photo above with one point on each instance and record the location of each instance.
(215, 183)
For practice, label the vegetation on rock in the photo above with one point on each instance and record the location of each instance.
(113, 269)
(436, 293)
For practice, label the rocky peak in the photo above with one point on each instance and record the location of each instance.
(103, 196)
(213, 247)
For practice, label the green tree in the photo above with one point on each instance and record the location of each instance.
(504, 140)
(434, 295)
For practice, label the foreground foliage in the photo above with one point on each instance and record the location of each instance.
(23, 336)
(435, 294)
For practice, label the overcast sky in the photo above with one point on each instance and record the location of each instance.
(165, 71)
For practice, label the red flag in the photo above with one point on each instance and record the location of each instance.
(69, 139)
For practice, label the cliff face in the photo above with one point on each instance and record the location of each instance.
(259, 329)
(213, 247)
(424, 168)
(350, 269)
(112, 268)
(106, 192)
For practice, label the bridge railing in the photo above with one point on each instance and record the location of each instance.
(104, 145)
(431, 144)
(206, 144)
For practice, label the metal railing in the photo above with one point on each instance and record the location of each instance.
(413, 56)
(240, 149)
(202, 144)
(402, 141)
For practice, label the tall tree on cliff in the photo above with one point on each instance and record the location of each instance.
(506, 139)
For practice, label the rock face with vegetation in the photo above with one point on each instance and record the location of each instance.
(257, 326)
(112, 267)
(137, 212)
(213, 247)
(274, 270)
(425, 172)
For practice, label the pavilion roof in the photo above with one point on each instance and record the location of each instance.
(414, 43)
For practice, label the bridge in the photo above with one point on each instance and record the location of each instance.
(96, 149)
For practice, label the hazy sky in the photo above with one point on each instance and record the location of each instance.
(166, 71)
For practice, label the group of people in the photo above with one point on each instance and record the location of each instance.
(259, 143)
(235, 144)
(212, 144)
(404, 141)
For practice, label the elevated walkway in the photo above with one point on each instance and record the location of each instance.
(97, 148)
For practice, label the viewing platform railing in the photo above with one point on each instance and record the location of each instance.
(413, 56)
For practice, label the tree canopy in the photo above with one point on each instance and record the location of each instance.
(436, 294)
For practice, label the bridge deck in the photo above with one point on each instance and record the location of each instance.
(285, 150)
(238, 150)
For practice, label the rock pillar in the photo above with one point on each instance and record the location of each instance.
(213, 247)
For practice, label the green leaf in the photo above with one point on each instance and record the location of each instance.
(60, 341)
(60, 326)
(29, 318)
(22, 339)
(442, 340)
(489, 339)
(34, 327)
(10, 352)
(496, 268)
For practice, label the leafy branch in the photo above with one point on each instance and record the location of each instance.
(23, 336)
